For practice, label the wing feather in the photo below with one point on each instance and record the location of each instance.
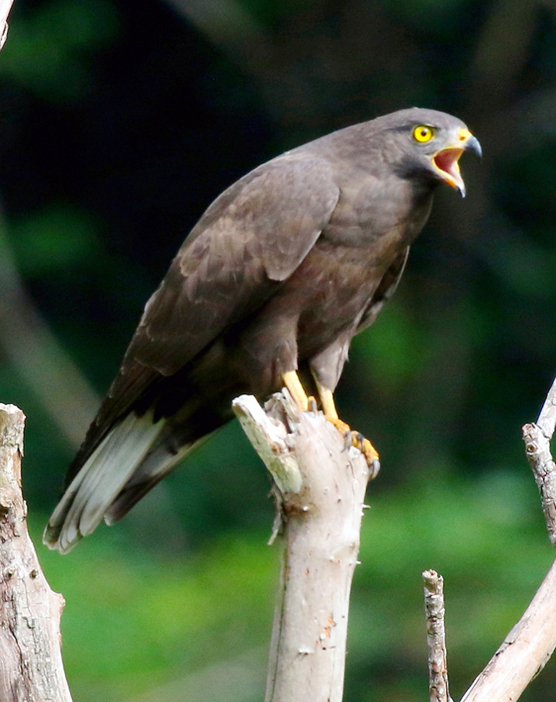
(245, 245)
(249, 241)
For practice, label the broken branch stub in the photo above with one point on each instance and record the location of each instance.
(320, 486)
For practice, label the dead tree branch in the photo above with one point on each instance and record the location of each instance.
(319, 486)
(436, 637)
(31, 667)
(529, 645)
(523, 653)
(5, 7)
(537, 447)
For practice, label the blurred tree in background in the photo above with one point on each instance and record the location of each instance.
(120, 122)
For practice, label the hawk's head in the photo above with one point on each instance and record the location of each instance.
(428, 143)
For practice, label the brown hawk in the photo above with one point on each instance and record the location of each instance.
(276, 278)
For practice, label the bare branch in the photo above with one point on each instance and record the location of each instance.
(547, 416)
(436, 637)
(30, 659)
(537, 447)
(524, 652)
(531, 642)
(270, 440)
(320, 488)
(5, 7)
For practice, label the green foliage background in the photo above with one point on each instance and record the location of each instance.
(120, 122)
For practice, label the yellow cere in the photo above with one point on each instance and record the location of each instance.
(422, 133)
(464, 134)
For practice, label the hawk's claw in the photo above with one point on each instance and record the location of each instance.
(308, 403)
(355, 438)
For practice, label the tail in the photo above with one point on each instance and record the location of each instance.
(130, 460)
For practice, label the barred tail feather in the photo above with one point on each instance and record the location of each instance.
(100, 481)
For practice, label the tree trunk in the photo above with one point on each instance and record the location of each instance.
(31, 667)
(319, 487)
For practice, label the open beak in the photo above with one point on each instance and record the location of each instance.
(446, 161)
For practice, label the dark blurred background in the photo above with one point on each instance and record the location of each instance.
(120, 121)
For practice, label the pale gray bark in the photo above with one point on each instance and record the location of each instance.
(5, 7)
(320, 488)
(527, 648)
(523, 653)
(31, 667)
(537, 446)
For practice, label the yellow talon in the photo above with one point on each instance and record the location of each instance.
(356, 439)
(295, 388)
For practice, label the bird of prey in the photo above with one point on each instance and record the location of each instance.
(267, 291)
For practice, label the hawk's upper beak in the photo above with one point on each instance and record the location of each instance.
(445, 161)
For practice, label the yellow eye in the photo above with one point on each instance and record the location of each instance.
(422, 133)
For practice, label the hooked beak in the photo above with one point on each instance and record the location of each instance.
(445, 162)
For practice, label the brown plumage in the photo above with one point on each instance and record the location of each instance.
(279, 274)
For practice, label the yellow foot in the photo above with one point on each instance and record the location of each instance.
(357, 439)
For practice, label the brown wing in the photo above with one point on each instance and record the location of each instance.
(248, 241)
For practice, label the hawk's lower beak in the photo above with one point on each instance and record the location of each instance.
(446, 161)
